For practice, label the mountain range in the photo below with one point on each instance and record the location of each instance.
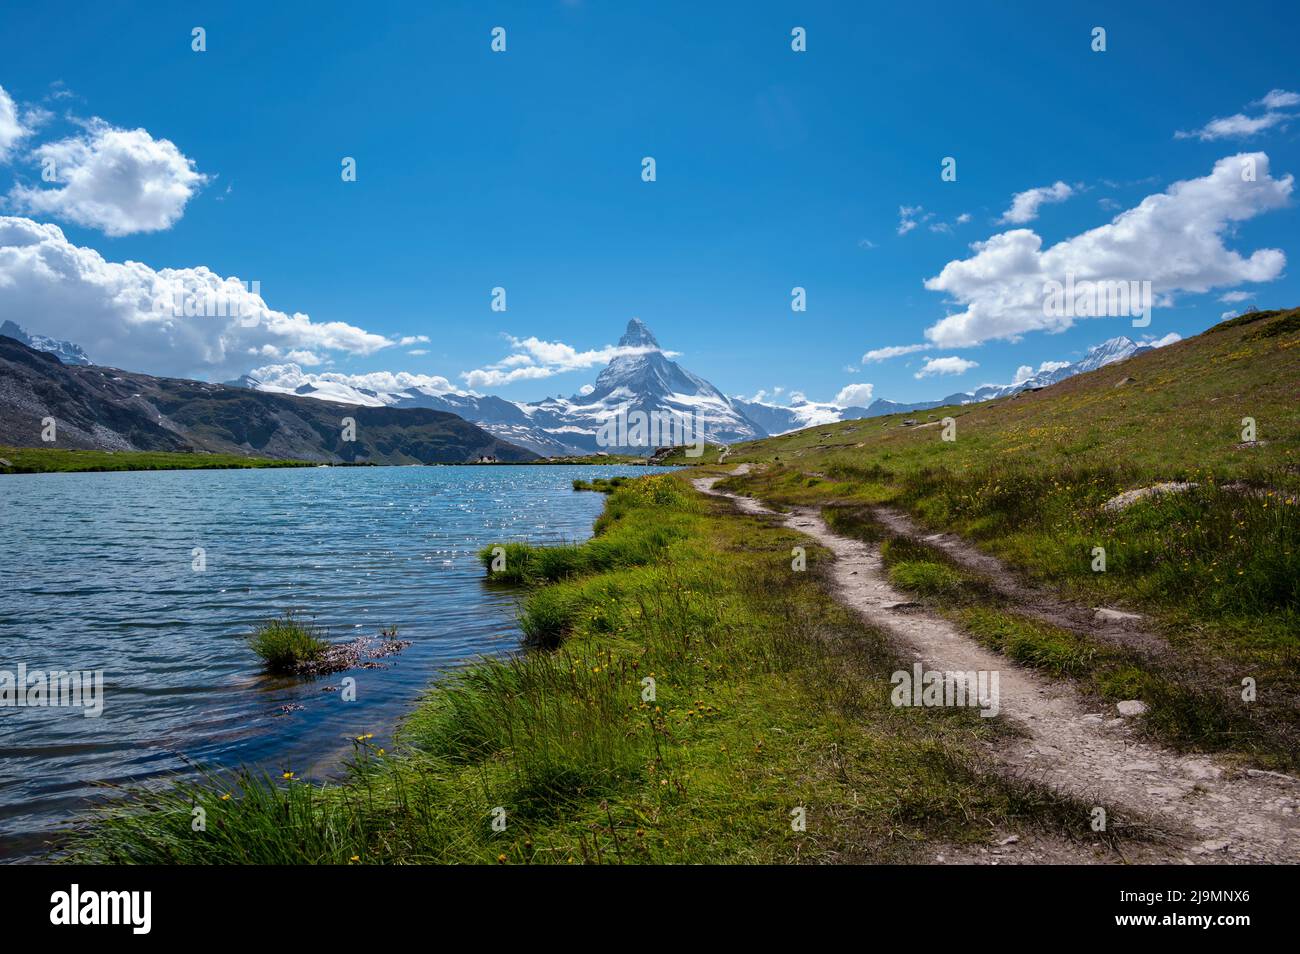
(641, 378)
(108, 409)
(648, 381)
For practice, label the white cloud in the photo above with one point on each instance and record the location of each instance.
(948, 365)
(1167, 340)
(120, 181)
(893, 351)
(1278, 99)
(1241, 126)
(1236, 126)
(418, 352)
(287, 378)
(122, 312)
(1232, 297)
(534, 359)
(413, 339)
(1026, 371)
(854, 395)
(1024, 205)
(1173, 239)
(946, 228)
(11, 128)
(384, 381)
(910, 216)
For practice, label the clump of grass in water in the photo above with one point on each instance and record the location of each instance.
(286, 643)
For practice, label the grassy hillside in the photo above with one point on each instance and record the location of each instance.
(41, 460)
(1027, 478)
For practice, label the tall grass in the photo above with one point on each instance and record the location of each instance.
(286, 643)
(691, 703)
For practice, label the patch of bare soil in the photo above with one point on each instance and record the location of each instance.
(1210, 811)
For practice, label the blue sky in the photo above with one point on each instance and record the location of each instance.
(522, 169)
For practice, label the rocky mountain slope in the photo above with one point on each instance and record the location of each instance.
(65, 351)
(107, 409)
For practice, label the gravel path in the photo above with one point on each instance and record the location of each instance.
(1214, 812)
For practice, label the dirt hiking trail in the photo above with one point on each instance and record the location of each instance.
(1210, 812)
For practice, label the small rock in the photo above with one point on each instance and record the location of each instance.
(1132, 707)
(1123, 381)
(1105, 615)
(1130, 497)
(1009, 841)
(901, 605)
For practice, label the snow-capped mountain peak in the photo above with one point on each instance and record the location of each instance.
(65, 351)
(1108, 352)
(637, 335)
(643, 378)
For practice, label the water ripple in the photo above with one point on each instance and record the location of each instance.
(97, 574)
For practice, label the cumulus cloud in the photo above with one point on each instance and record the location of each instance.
(288, 377)
(1232, 297)
(125, 313)
(1241, 126)
(534, 359)
(854, 395)
(12, 128)
(1025, 205)
(120, 181)
(1173, 239)
(948, 365)
(893, 351)
(413, 339)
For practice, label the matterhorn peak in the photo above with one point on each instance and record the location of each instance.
(637, 336)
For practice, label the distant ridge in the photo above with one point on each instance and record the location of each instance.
(98, 408)
(648, 380)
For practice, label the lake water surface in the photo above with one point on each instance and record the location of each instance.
(97, 573)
